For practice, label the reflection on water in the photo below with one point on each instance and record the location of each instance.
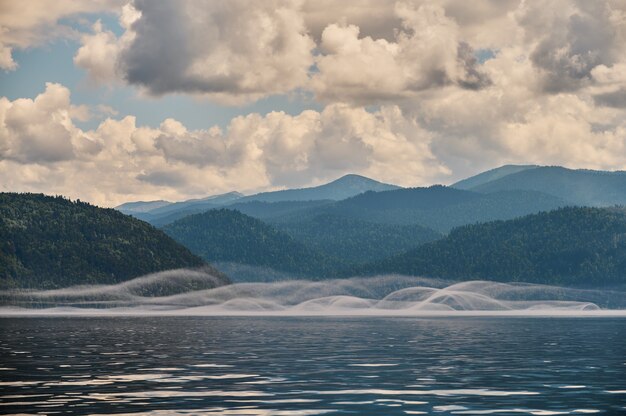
(312, 366)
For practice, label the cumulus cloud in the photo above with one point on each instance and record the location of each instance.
(365, 51)
(98, 54)
(375, 18)
(457, 87)
(515, 122)
(426, 53)
(229, 51)
(41, 130)
(41, 149)
(568, 45)
(39, 22)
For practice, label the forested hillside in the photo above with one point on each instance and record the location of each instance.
(49, 242)
(230, 236)
(439, 208)
(355, 240)
(568, 246)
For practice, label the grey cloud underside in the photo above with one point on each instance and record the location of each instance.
(615, 99)
(203, 150)
(474, 78)
(569, 52)
(216, 48)
(163, 178)
(164, 45)
(198, 47)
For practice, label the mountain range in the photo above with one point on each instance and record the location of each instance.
(381, 222)
(570, 246)
(163, 212)
(524, 223)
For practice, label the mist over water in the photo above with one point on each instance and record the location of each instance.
(189, 292)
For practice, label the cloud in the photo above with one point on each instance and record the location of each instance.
(415, 92)
(38, 130)
(615, 98)
(568, 45)
(514, 121)
(98, 54)
(229, 51)
(164, 178)
(40, 22)
(361, 52)
(375, 18)
(426, 53)
(41, 149)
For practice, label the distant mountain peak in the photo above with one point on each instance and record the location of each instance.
(344, 187)
(354, 176)
(491, 175)
(228, 196)
(141, 206)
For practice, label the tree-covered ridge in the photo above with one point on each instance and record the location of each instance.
(439, 208)
(49, 242)
(230, 236)
(568, 246)
(273, 212)
(354, 240)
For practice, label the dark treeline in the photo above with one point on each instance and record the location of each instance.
(438, 208)
(568, 246)
(354, 240)
(229, 236)
(48, 242)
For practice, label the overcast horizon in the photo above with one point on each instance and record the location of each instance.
(113, 101)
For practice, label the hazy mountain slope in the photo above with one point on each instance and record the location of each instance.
(569, 246)
(439, 208)
(270, 211)
(336, 190)
(339, 189)
(141, 206)
(355, 240)
(491, 175)
(52, 242)
(434, 197)
(230, 236)
(582, 187)
(198, 204)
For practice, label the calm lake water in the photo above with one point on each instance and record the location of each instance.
(314, 365)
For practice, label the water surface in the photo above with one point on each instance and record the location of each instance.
(313, 365)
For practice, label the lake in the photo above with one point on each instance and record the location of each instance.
(313, 365)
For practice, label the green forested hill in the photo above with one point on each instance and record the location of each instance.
(230, 236)
(568, 246)
(48, 242)
(355, 240)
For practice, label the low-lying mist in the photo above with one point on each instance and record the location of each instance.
(189, 292)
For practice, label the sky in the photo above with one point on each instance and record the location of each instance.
(113, 101)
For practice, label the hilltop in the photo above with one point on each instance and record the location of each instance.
(50, 242)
